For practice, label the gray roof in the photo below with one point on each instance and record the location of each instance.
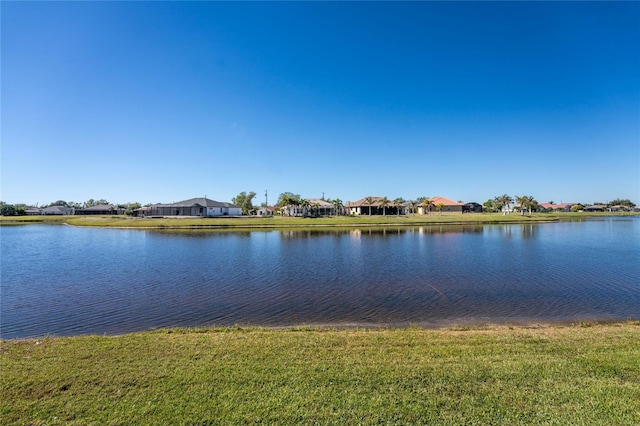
(56, 209)
(203, 202)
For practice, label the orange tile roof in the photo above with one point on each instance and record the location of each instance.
(555, 206)
(445, 201)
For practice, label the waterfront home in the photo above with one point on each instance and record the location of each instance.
(141, 212)
(448, 206)
(309, 206)
(373, 207)
(595, 208)
(550, 207)
(57, 210)
(266, 211)
(101, 209)
(199, 207)
(33, 211)
(472, 208)
(620, 208)
(320, 207)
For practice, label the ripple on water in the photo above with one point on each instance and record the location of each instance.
(113, 281)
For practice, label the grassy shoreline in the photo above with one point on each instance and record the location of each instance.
(298, 222)
(581, 374)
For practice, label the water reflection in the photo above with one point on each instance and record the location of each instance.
(383, 231)
(325, 231)
(527, 230)
(200, 233)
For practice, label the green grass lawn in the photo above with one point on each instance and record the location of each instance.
(275, 222)
(27, 220)
(293, 222)
(587, 374)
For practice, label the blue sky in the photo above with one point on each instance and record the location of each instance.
(165, 101)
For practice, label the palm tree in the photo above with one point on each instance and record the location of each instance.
(398, 203)
(294, 203)
(384, 202)
(413, 204)
(531, 203)
(439, 206)
(369, 201)
(504, 201)
(305, 204)
(426, 204)
(522, 201)
(338, 206)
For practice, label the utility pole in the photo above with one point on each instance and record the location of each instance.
(266, 200)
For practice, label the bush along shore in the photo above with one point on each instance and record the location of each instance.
(581, 374)
(294, 222)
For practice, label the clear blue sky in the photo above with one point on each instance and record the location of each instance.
(164, 101)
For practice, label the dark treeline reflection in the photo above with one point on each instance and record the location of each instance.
(200, 233)
(325, 231)
(383, 231)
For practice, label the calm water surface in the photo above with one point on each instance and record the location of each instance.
(63, 280)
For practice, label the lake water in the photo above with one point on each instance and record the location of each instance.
(62, 280)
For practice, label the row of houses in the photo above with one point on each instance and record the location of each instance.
(377, 206)
(568, 207)
(102, 209)
(193, 207)
(205, 207)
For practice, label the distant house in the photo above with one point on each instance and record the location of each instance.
(321, 207)
(449, 206)
(362, 207)
(595, 208)
(314, 206)
(266, 211)
(57, 210)
(620, 208)
(101, 209)
(472, 208)
(33, 211)
(141, 212)
(549, 207)
(201, 207)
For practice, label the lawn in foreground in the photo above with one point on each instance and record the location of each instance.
(553, 375)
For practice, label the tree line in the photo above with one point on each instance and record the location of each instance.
(7, 209)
